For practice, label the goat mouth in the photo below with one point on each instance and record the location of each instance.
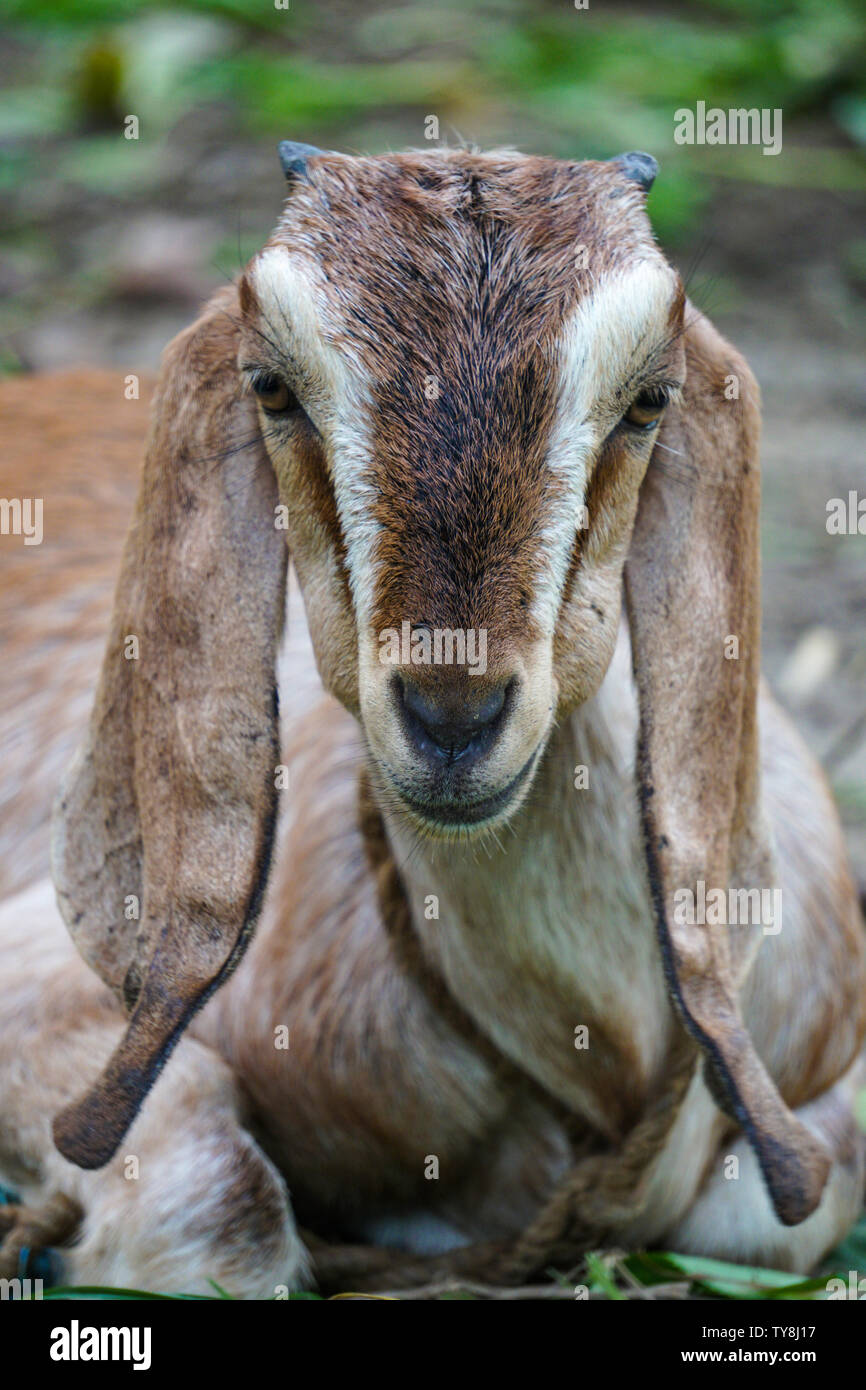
(449, 816)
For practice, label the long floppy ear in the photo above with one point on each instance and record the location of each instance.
(692, 590)
(170, 804)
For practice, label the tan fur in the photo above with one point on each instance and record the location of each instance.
(73, 439)
(450, 1035)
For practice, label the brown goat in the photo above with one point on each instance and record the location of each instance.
(478, 1022)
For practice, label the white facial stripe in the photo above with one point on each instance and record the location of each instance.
(296, 309)
(598, 348)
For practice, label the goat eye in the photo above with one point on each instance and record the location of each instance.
(274, 395)
(645, 410)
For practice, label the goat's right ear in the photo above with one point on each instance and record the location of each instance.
(163, 827)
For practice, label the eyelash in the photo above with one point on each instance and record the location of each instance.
(264, 382)
(653, 398)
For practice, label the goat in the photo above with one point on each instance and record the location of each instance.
(472, 1032)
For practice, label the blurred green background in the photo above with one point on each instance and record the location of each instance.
(107, 245)
(95, 219)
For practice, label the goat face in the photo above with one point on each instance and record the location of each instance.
(459, 361)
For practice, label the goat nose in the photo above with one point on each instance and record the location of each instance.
(452, 724)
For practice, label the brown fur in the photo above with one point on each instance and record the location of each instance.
(411, 1039)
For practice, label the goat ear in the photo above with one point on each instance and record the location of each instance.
(692, 590)
(171, 803)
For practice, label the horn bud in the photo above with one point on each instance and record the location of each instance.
(293, 158)
(640, 168)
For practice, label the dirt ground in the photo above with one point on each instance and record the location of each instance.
(801, 330)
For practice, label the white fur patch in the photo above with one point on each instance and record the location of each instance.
(598, 348)
(296, 307)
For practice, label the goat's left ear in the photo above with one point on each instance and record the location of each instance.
(693, 596)
(163, 828)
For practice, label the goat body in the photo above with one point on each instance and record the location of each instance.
(470, 1025)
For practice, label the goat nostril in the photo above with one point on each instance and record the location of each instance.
(491, 707)
(452, 725)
